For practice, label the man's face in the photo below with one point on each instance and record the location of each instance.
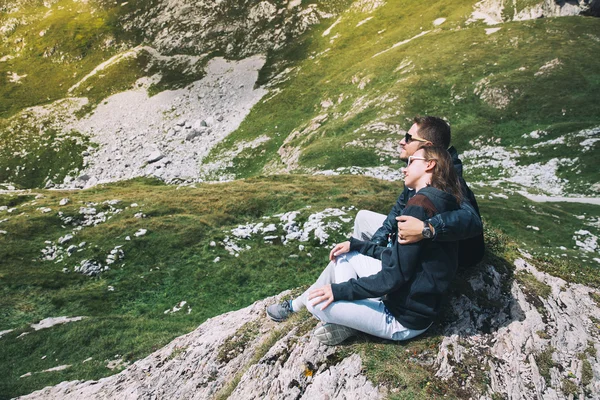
(408, 149)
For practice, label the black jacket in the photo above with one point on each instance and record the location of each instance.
(463, 225)
(415, 276)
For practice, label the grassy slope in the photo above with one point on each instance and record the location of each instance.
(174, 261)
(445, 66)
(171, 263)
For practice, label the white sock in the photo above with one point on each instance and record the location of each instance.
(296, 305)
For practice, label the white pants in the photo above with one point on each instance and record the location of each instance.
(366, 224)
(370, 315)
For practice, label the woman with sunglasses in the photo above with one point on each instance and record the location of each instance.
(401, 300)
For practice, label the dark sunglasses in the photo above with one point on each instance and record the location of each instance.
(408, 138)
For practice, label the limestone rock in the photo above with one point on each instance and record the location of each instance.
(200, 365)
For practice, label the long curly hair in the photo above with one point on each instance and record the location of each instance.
(444, 176)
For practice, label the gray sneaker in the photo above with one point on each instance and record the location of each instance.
(332, 334)
(280, 312)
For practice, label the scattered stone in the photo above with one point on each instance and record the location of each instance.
(116, 254)
(64, 202)
(140, 215)
(50, 322)
(87, 359)
(176, 308)
(90, 268)
(154, 157)
(59, 368)
(25, 375)
(193, 134)
(64, 239)
(140, 232)
(217, 259)
(2, 333)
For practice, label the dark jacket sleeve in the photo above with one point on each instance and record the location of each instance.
(367, 248)
(390, 225)
(459, 224)
(398, 265)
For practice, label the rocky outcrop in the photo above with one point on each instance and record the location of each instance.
(536, 338)
(269, 361)
(235, 29)
(497, 11)
(542, 341)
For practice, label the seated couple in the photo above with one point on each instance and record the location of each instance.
(390, 283)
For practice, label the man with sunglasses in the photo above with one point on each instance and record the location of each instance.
(463, 225)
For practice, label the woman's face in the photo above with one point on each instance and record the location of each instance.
(415, 173)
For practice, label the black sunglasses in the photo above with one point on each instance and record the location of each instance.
(408, 138)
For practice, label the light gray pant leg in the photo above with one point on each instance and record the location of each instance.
(366, 224)
(369, 316)
(347, 266)
(326, 277)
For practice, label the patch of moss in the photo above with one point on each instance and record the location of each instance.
(544, 362)
(596, 297)
(569, 387)
(177, 351)
(532, 286)
(587, 373)
(236, 344)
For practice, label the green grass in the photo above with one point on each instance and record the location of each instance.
(553, 245)
(173, 262)
(30, 157)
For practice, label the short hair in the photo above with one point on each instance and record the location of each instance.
(434, 129)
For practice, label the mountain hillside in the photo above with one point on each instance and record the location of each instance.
(170, 167)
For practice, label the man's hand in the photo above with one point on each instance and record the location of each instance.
(410, 229)
(323, 294)
(339, 249)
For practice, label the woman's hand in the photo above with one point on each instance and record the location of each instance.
(323, 294)
(339, 249)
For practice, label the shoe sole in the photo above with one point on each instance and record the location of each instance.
(276, 319)
(332, 336)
